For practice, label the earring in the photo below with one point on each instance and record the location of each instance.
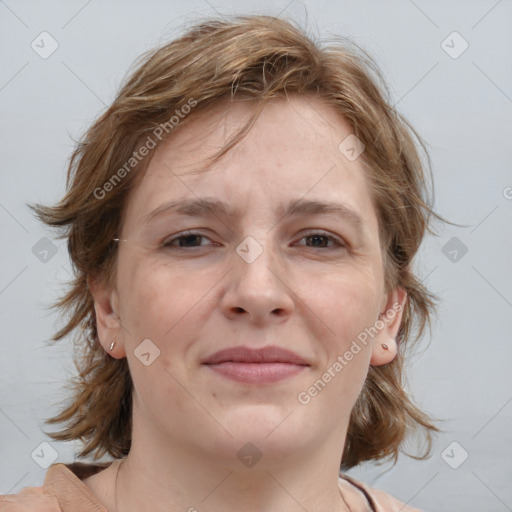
(112, 346)
(384, 346)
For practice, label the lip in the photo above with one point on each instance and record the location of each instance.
(264, 365)
(270, 354)
(257, 373)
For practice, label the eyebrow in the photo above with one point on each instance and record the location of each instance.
(201, 207)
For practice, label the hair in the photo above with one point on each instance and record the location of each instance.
(244, 58)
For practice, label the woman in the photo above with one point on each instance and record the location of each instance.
(242, 222)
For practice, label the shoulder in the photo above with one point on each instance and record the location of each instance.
(33, 499)
(62, 490)
(379, 500)
(390, 504)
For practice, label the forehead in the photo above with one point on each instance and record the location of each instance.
(291, 153)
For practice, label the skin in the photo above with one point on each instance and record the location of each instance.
(302, 293)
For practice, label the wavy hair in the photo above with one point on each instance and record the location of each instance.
(254, 58)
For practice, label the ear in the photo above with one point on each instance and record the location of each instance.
(108, 322)
(385, 347)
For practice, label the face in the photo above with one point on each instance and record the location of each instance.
(274, 247)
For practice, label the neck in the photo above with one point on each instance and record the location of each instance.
(148, 481)
(211, 468)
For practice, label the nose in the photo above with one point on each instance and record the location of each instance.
(258, 291)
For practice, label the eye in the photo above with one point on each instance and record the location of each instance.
(187, 239)
(192, 239)
(319, 240)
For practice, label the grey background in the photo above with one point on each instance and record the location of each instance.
(461, 106)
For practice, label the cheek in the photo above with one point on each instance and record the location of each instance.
(347, 302)
(158, 304)
(351, 307)
(155, 306)
(162, 302)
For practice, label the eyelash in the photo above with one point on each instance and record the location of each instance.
(338, 243)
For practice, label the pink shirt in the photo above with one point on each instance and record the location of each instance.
(64, 491)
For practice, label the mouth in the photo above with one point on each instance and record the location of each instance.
(265, 365)
(257, 373)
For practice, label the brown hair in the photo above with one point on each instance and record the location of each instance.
(248, 58)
